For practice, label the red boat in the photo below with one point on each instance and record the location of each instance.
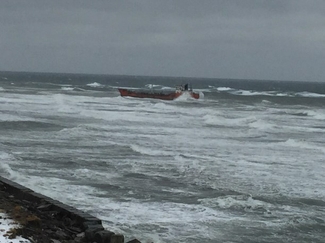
(160, 94)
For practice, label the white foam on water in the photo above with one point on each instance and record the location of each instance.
(65, 104)
(245, 202)
(2, 89)
(261, 125)
(152, 86)
(266, 102)
(73, 131)
(65, 85)
(298, 129)
(11, 117)
(216, 119)
(150, 151)
(298, 220)
(201, 95)
(163, 107)
(317, 114)
(168, 88)
(190, 155)
(257, 93)
(224, 88)
(230, 157)
(142, 114)
(171, 108)
(254, 93)
(203, 91)
(6, 171)
(303, 144)
(25, 99)
(131, 116)
(59, 189)
(167, 220)
(185, 97)
(309, 94)
(92, 175)
(284, 94)
(67, 88)
(95, 84)
(244, 92)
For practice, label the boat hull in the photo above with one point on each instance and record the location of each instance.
(155, 95)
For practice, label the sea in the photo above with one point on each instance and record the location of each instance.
(244, 163)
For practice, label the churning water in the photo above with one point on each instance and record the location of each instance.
(243, 164)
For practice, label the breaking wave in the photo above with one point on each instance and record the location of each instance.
(95, 85)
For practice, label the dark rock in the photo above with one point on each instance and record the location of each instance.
(45, 220)
(75, 229)
(88, 224)
(117, 238)
(103, 236)
(55, 241)
(134, 241)
(67, 221)
(44, 207)
(60, 234)
(91, 230)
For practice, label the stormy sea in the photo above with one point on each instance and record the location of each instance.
(244, 163)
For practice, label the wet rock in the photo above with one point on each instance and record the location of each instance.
(75, 229)
(103, 236)
(134, 241)
(117, 238)
(55, 241)
(44, 207)
(60, 234)
(45, 220)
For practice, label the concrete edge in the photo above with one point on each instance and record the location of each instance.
(92, 226)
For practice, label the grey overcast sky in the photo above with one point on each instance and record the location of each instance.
(244, 39)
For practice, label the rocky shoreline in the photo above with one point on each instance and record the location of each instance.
(44, 220)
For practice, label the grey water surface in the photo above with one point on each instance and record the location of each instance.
(244, 163)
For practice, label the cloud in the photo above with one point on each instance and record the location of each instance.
(211, 38)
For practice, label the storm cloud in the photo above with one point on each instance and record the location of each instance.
(250, 39)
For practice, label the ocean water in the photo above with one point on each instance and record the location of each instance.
(244, 163)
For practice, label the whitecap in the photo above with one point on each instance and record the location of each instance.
(261, 125)
(95, 84)
(317, 114)
(67, 88)
(229, 122)
(303, 144)
(152, 86)
(150, 151)
(239, 202)
(309, 94)
(224, 89)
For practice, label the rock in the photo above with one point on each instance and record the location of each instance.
(55, 241)
(117, 238)
(33, 220)
(60, 234)
(44, 220)
(44, 207)
(91, 230)
(103, 236)
(134, 241)
(75, 229)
